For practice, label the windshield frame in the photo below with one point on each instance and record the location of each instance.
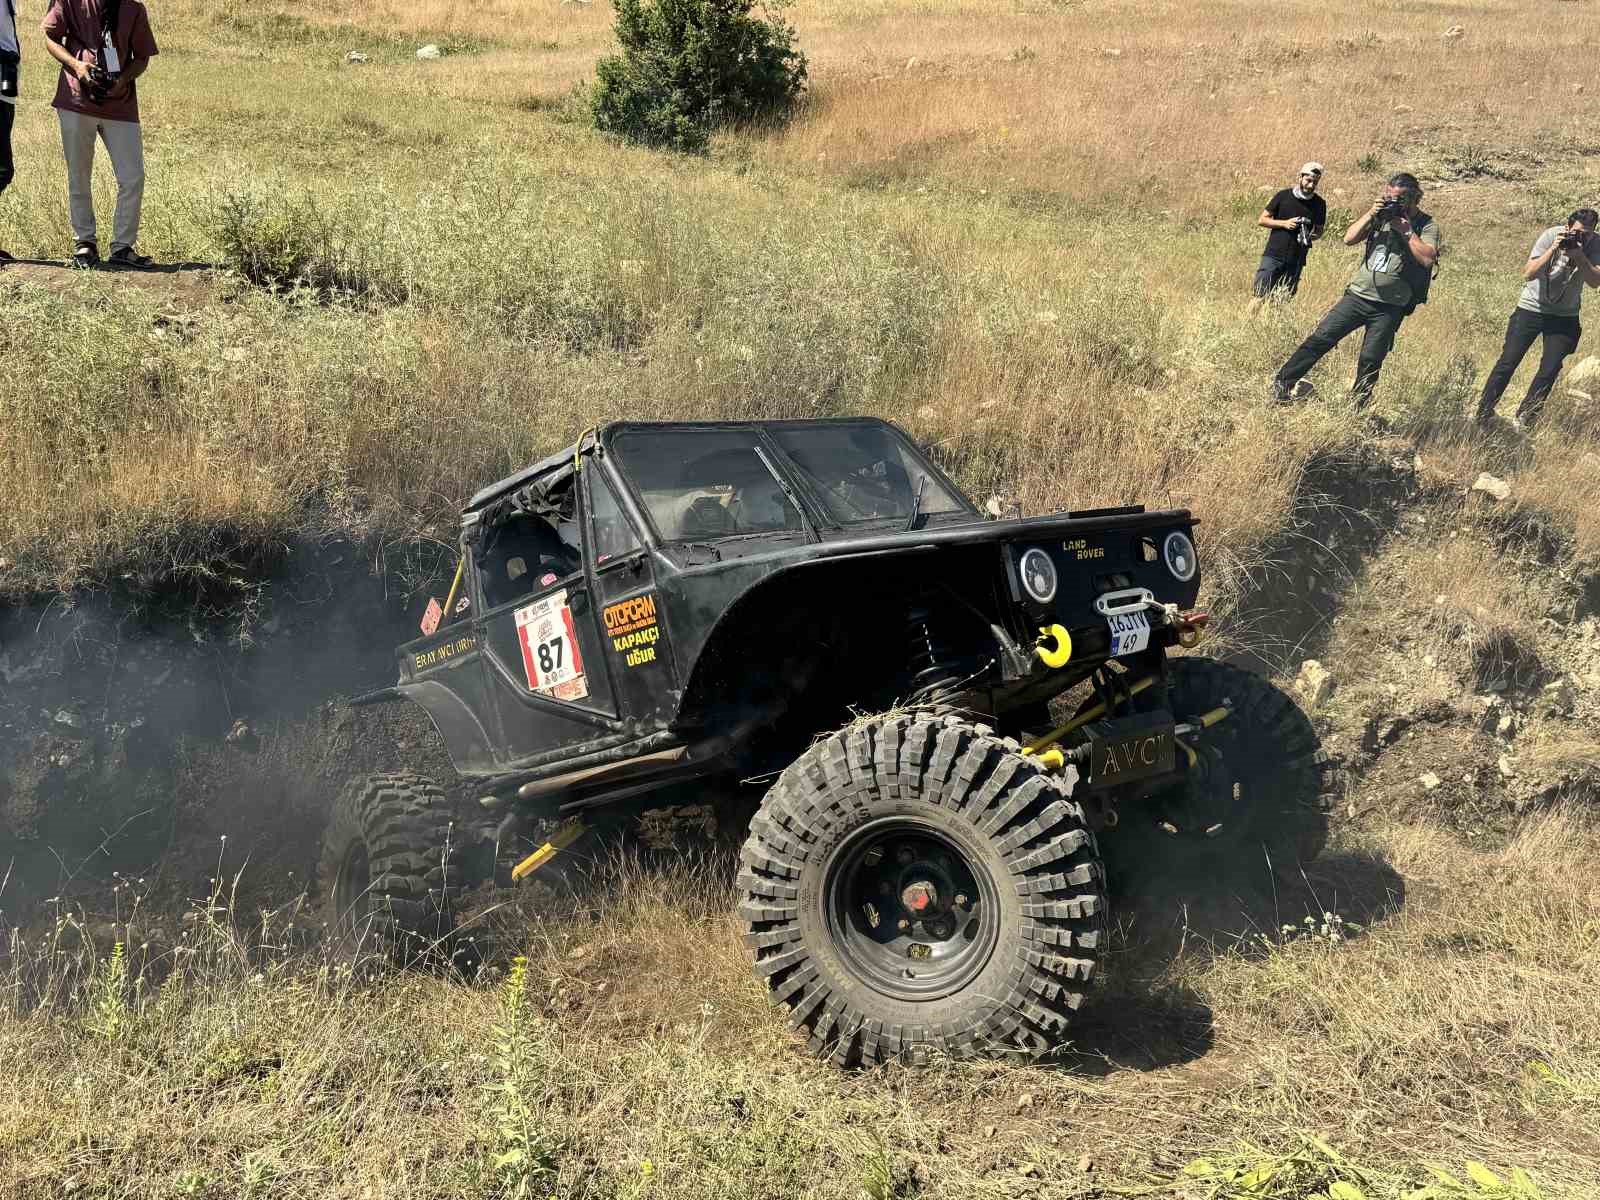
(816, 517)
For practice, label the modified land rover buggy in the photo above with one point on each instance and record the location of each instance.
(662, 609)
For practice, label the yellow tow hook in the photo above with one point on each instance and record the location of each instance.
(559, 841)
(1054, 646)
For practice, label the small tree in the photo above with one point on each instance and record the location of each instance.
(689, 66)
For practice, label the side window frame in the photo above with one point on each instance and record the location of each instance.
(623, 499)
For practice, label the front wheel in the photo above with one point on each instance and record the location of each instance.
(913, 883)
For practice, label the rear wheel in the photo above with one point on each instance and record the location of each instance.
(391, 870)
(914, 883)
(1257, 793)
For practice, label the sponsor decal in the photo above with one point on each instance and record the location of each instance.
(550, 655)
(443, 652)
(632, 626)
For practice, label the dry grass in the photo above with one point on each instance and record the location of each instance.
(1455, 1026)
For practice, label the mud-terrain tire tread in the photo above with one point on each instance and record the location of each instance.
(415, 862)
(1027, 816)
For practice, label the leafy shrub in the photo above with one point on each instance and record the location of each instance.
(689, 66)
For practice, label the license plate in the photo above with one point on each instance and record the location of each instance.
(1126, 755)
(1130, 633)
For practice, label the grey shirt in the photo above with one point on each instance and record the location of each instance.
(1557, 290)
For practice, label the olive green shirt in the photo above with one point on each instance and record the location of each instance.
(1381, 275)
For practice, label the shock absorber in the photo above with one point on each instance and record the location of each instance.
(936, 667)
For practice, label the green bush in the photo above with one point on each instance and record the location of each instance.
(689, 66)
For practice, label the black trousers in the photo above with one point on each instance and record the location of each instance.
(1352, 312)
(1560, 333)
(8, 168)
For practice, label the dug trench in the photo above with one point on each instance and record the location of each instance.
(140, 743)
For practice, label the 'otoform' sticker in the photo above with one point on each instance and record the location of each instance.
(550, 654)
(632, 627)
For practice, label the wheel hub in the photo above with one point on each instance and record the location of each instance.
(920, 897)
(908, 911)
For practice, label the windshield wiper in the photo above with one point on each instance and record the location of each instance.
(777, 478)
(916, 503)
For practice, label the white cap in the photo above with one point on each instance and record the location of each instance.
(1311, 168)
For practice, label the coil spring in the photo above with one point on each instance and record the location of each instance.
(933, 662)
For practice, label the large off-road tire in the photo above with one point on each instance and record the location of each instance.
(999, 951)
(1263, 787)
(391, 869)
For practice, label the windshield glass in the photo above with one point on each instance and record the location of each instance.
(699, 486)
(864, 472)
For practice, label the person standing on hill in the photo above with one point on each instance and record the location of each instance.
(103, 46)
(1560, 265)
(1400, 247)
(10, 71)
(1296, 216)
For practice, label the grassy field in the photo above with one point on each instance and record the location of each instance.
(1023, 229)
(1030, 249)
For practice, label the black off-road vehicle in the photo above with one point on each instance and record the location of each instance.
(665, 609)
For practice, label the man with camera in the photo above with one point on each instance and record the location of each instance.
(1560, 264)
(1400, 247)
(1296, 216)
(102, 46)
(10, 69)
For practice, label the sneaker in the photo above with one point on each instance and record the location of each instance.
(86, 256)
(1280, 393)
(129, 258)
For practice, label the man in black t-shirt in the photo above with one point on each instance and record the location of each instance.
(1296, 216)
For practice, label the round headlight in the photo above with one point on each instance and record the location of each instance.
(1039, 575)
(1181, 558)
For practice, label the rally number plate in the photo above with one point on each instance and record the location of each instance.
(1123, 755)
(1130, 633)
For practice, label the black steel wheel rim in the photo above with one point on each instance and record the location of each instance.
(911, 913)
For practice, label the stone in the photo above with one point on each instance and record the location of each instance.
(69, 718)
(355, 56)
(429, 52)
(1085, 1164)
(1454, 33)
(1024, 1101)
(1315, 683)
(1507, 770)
(1429, 781)
(1558, 698)
(1506, 726)
(1492, 486)
(1585, 371)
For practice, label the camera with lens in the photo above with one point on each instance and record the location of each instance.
(100, 83)
(1573, 239)
(1389, 209)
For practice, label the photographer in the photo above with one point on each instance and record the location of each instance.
(1560, 264)
(10, 69)
(1296, 217)
(102, 46)
(1400, 247)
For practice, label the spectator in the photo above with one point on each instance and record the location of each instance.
(1296, 216)
(10, 72)
(103, 46)
(1559, 265)
(1401, 246)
